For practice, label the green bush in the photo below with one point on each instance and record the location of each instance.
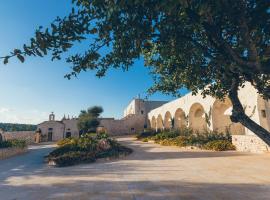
(72, 158)
(219, 145)
(13, 143)
(145, 134)
(87, 148)
(187, 137)
(145, 140)
(64, 142)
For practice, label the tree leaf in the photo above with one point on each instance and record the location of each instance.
(20, 57)
(6, 60)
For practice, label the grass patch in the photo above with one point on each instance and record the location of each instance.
(86, 149)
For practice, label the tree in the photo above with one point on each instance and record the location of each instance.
(88, 119)
(212, 47)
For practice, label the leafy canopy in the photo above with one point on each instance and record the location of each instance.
(88, 119)
(187, 43)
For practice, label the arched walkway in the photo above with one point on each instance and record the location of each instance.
(264, 112)
(197, 118)
(221, 118)
(153, 123)
(160, 123)
(179, 119)
(168, 120)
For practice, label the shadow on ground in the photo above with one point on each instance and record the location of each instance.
(138, 190)
(149, 172)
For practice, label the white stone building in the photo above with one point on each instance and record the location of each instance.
(53, 130)
(135, 118)
(134, 121)
(192, 111)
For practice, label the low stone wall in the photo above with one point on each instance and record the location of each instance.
(9, 152)
(128, 125)
(28, 136)
(249, 143)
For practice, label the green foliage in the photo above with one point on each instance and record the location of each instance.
(187, 137)
(74, 157)
(13, 143)
(166, 135)
(145, 134)
(65, 141)
(211, 47)
(86, 149)
(188, 43)
(145, 140)
(88, 120)
(17, 127)
(219, 145)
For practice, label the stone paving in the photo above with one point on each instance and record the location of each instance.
(151, 172)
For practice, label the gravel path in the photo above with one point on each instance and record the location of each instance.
(151, 172)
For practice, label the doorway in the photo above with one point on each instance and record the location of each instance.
(50, 134)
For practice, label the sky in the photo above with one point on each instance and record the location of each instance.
(33, 89)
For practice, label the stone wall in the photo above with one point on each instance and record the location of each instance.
(131, 124)
(28, 136)
(9, 152)
(250, 143)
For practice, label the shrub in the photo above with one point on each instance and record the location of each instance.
(72, 158)
(145, 134)
(13, 143)
(187, 137)
(144, 140)
(64, 142)
(166, 135)
(86, 149)
(219, 145)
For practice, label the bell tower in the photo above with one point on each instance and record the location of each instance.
(51, 117)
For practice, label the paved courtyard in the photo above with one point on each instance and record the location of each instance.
(151, 172)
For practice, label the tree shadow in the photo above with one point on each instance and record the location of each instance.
(133, 177)
(123, 189)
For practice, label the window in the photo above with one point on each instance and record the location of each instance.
(142, 112)
(68, 134)
(263, 113)
(132, 129)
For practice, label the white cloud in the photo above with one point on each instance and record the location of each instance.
(29, 117)
(4, 110)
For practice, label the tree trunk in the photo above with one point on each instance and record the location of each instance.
(238, 115)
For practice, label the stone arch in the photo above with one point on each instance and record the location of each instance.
(159, 123)
(197, 118)
(221, 118)
(264, 112)
(168, 120)
(179, 119)
(148, 124)
(153, 123)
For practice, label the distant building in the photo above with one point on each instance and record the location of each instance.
(134, 121)
(54, 130)
(135, 118)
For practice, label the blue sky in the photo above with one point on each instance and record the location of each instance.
(30, 91)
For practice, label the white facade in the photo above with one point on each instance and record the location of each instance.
(53, 130)
(192, 111)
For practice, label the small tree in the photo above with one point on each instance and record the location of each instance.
(88, 119)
